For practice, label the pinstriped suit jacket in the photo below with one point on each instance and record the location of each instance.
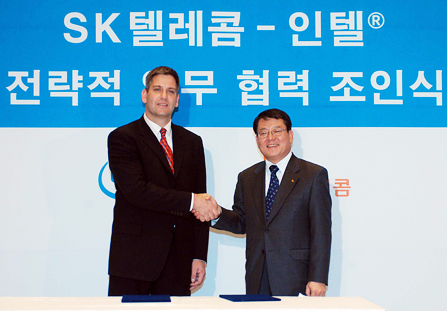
(296, 240)
(151, 201)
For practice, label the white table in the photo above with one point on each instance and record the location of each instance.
(187, 303)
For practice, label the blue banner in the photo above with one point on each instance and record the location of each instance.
(327, 63)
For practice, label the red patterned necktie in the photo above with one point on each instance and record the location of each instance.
(167, 149)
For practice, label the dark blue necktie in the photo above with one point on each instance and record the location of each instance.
(273, 189)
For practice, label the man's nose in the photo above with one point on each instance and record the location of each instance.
(270, 135)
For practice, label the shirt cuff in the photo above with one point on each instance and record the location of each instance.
(200, 260)
(192, 202)
(214, 221)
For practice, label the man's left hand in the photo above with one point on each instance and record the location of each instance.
(316, 289)
(198, 273)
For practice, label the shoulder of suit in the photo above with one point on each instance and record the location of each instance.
(303, 164)
(177, 129)
(254, 168)
(131, 127)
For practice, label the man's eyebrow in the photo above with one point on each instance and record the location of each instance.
(168, 88)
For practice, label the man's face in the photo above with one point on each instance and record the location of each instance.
(161, 99)
(274, 148)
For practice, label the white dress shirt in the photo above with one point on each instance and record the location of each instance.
(155, 128)
(282, 165)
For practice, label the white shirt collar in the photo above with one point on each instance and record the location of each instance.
(282, 165)
(156, 128)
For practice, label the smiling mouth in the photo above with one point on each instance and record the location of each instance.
(272, 146)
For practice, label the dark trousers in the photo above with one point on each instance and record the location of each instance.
(170, 282)
(264, 287)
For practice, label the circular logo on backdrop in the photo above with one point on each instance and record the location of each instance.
(106, 182)
(376, 20)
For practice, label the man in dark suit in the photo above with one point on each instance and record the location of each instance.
(157, 245)
(283, 205)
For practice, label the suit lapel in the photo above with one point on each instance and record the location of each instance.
(289, 180)
(152, 142)
(257, 185)
(179, 148)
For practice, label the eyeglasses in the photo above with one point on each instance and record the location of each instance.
(275, 132)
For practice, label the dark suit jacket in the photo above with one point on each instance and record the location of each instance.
(151, 202)
(296, 240)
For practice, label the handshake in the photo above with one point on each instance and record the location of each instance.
(205, 207)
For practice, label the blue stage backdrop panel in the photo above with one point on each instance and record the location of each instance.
(328, 63)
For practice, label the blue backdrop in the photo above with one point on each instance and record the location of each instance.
(361, 80)
(328, 63)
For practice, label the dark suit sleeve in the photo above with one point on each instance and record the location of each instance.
(234, 221)
(320, 228)
(201, 229)
(128, 172)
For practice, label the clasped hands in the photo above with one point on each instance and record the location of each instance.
(205, 207)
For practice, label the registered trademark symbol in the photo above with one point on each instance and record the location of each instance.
(376, 20)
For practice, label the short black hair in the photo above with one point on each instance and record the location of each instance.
(273, 114)
(162, 70)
